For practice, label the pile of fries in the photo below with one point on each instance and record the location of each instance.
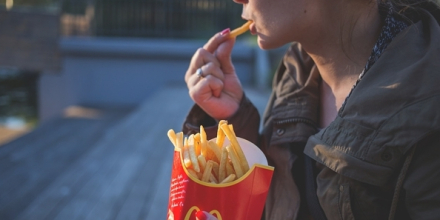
(210, 161)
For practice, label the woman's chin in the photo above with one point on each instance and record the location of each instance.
(267, 45)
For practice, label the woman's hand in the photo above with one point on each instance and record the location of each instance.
(218, 92)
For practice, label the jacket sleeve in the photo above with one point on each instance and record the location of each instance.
(421, 189)
(246, 121)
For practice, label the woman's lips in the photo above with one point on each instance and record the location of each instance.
(253, 29)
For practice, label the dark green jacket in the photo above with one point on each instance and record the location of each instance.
(392, 116)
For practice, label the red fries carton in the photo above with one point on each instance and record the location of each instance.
(244, 198)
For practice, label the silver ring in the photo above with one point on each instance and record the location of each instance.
(199, 73)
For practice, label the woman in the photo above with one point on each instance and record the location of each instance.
(352, 126)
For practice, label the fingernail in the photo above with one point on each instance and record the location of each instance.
(225, 31)
(201, 215)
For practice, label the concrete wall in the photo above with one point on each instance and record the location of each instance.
(123, 72)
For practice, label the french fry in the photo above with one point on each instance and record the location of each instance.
(191, 139)
(203, 141)
(210, 154)
(228, 179)
(172, 136)
(235, 161)
(220, 133)
(193, 158)
(193, 173)
(179, 140)
(212, 179)
(231, 127)
(197, 144)
(207, 172)
(215, 168)
(240, 30)
(186, 157)
(209, 160)
(222, 167)
(229, 168)
(216, 149)
(233, 139)
(202, 162)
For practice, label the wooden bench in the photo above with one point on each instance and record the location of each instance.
(116, 165)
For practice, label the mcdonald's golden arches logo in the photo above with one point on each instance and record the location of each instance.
(195, 208)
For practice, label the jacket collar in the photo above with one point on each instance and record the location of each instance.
(394, 106)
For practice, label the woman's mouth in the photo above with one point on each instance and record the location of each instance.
(253, 29)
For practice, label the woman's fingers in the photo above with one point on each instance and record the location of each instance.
(200, 58)
(207, 70)
(215, 42)
(204, 88)
(221, 45)
(213, 69)
(211, 78)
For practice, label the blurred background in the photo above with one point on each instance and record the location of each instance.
(88, 90)
(45, 40)
(38, 36)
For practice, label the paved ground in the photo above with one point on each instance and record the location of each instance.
(97, 163)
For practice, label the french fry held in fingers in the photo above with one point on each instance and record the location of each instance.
(240, 30)
(210, 161)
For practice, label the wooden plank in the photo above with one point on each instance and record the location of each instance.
(76, 178)
(98, 193)
(157, 206)
(139, 203)
(30, 170)
(159, 120)
(136, 203)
